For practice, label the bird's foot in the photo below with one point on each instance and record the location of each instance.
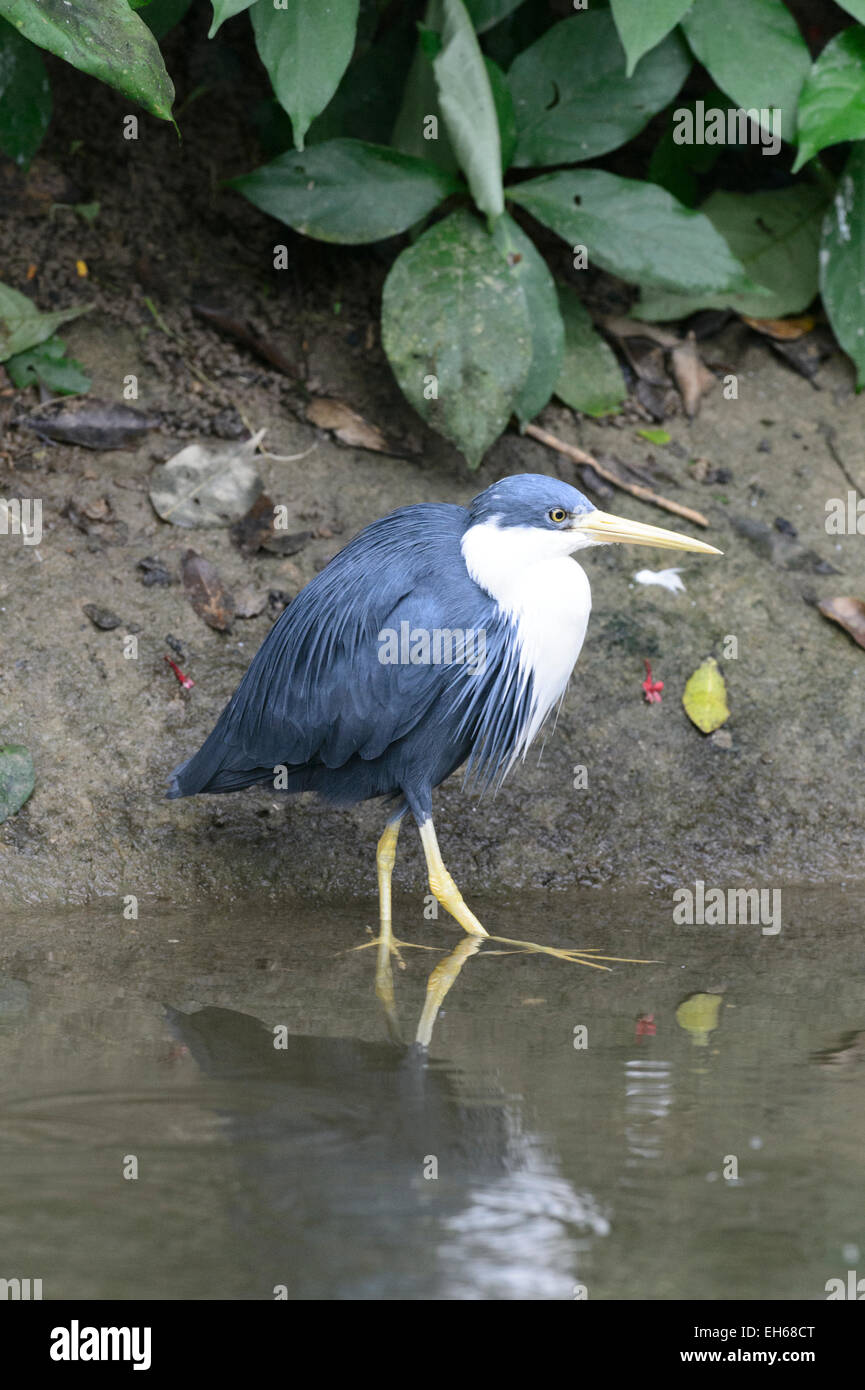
(388, 945)
(586, 955)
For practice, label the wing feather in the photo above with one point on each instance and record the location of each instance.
(316, 693)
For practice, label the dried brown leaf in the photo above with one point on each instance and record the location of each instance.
(240, 330)
(848, 613)
(693, 378)
(623, 328)
(256, 531)
(91, 423)
(784, 330)
(349, 427)
(206, 591)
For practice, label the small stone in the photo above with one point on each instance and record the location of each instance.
(250, 602)
(101, 617)
(722, 738)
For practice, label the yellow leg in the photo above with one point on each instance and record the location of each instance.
(385, 858)
(443, 886)
(452, 900)
(386, 942)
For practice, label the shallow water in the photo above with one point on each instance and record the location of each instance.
(711, 1151)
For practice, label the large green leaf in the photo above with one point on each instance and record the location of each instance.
(572, 99)
(776, 236)
(832, 103)
(468, 108)
(22, 326)
(504, 111)
(456, 329)
(633, 229)
(420, 102)
(25, 96)
(548, 335)
(842, 260)
(590, 378)
(104, 38)
(364, 103)
(306, 48)
(485, 13)
(225, 9)
(643, 23)
(347, 191)
(676, 166)
(754, 51)
(854, 7)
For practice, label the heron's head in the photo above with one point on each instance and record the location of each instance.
(540, 517)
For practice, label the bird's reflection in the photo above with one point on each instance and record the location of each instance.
(440, 981)
(446, 973)
(365, 1171)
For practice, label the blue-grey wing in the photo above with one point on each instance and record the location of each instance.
(318, 690)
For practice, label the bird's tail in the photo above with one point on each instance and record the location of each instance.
(216, 767)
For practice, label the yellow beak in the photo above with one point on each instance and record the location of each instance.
(606, 529)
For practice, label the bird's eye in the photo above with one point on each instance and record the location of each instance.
(557, 514)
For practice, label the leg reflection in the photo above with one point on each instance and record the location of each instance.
(439, 983)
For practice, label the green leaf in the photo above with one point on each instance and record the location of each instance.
(22, 326)
(842, 261)
(25, 96)
(485, 13)
(455, 323)
(516, 32)
(854, 7)
(468, 108)
(675, 166)
(572, 99)
(365, 100)
(643, 23)
(160, 16)
(504, 111)
(226, 9)
(754, 51)
(655, 436)
(48, 366)
(104, 38)
(17, 778)
(88, 212)
(306, 48)
(530, 271)
(413, 124)
(347, 191)
(590, 379)
(832, 104)
(632, 229)
(776, 236)
(705, 697)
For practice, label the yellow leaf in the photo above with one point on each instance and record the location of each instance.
(705, 697)
(698, 1015)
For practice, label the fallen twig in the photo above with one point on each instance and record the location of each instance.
(645, 494)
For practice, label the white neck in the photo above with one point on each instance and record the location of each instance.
(545, 594)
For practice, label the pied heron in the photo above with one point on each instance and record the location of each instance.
(439, 636)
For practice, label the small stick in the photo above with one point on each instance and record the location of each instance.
(635, 489)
